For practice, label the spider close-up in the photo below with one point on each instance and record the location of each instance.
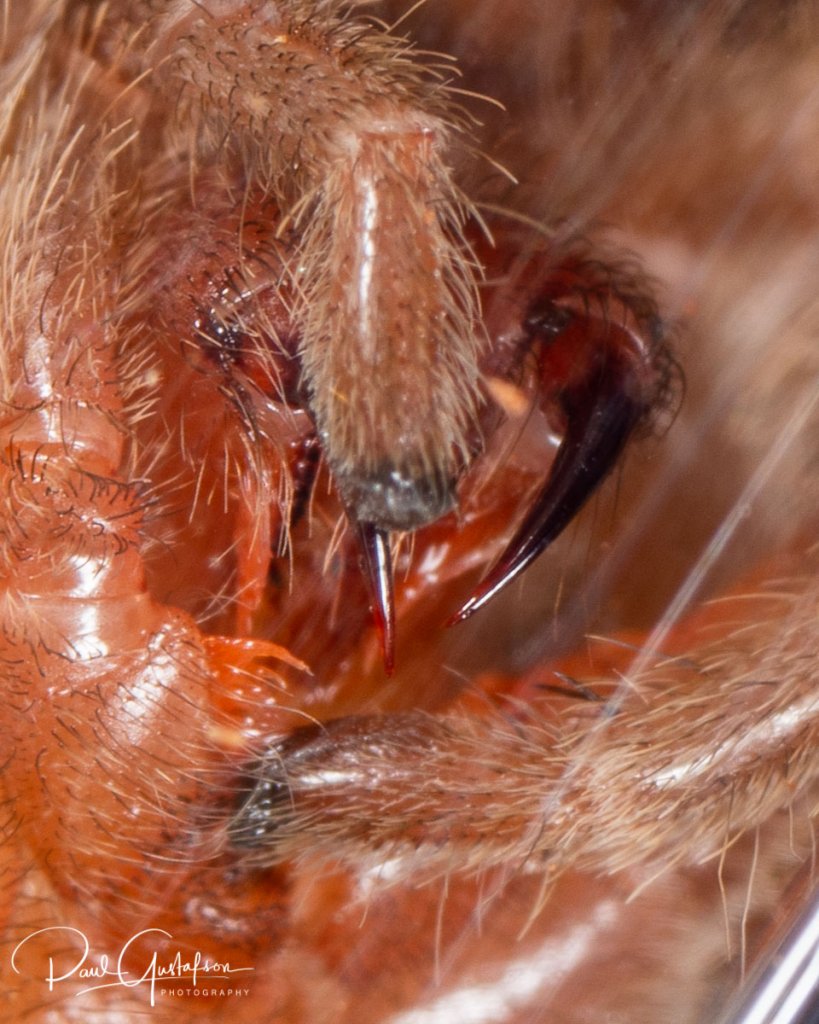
(407, 540)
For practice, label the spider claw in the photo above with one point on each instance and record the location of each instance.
(376, 564)
(601, 416)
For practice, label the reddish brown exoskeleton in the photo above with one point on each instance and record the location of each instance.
(271, 372)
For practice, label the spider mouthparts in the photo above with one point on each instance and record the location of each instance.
(396, 498)
(376, 564)
(601, 413)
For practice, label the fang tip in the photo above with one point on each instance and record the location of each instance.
(374, 544)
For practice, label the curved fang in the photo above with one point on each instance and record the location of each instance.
(602, 408)
(376, 563)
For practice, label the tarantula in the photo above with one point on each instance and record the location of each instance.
(295, 372)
